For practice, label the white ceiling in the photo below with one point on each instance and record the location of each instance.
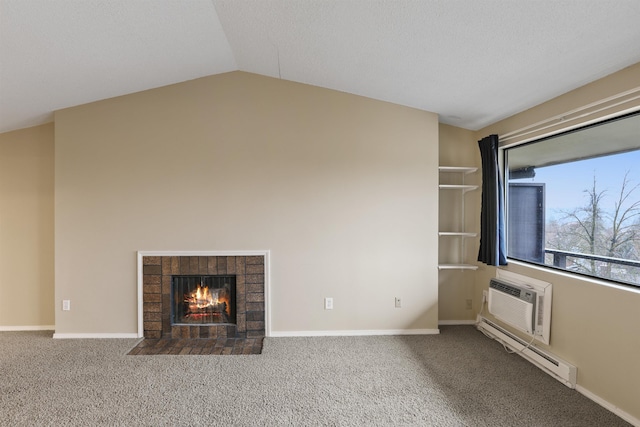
(473, 62)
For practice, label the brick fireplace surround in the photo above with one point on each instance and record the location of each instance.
(245, 337)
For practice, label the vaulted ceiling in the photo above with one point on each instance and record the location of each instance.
(473, 62)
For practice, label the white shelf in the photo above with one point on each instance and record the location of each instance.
(457, 267)
(457, 169)
(462, 235)
(465, 188)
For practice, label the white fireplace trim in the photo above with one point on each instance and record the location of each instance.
(267, 279)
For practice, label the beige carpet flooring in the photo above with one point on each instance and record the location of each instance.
(457, 378)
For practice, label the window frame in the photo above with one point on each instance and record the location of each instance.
(504, 171)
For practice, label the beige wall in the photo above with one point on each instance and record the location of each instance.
(26, 228)
(342, 190)
(455, 287)
(594, 326)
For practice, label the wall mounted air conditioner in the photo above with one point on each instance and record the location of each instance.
(523, 303)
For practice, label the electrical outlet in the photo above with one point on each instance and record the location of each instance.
(485, 296)
(66, 305)
(469, 304)
(398, 302)
(328, 303)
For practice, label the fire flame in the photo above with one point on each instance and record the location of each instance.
(202, 299)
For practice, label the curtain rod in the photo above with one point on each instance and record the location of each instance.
(564, 117)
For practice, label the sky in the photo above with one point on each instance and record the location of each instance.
(565, 184)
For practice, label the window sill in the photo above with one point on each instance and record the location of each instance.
(576, 277)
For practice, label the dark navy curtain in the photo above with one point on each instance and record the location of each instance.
(492, 233)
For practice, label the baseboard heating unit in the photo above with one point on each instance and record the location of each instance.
(554, 366)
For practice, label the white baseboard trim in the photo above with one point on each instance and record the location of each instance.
(96, 335)
(456, 322)
(607, 405)
(27, 328)
(354, 333)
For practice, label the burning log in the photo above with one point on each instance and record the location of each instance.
(204, 305)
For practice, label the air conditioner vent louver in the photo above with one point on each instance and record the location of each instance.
(513, 304)
(505, 288)
(540, 315)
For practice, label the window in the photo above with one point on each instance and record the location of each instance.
(573, 200)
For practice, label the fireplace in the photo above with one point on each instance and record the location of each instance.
(232, 306)
(203, 299)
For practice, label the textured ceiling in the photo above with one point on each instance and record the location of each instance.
(473, 62)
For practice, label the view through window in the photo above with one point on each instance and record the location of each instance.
(573, 201)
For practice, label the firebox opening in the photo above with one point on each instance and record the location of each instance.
(203, 299)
